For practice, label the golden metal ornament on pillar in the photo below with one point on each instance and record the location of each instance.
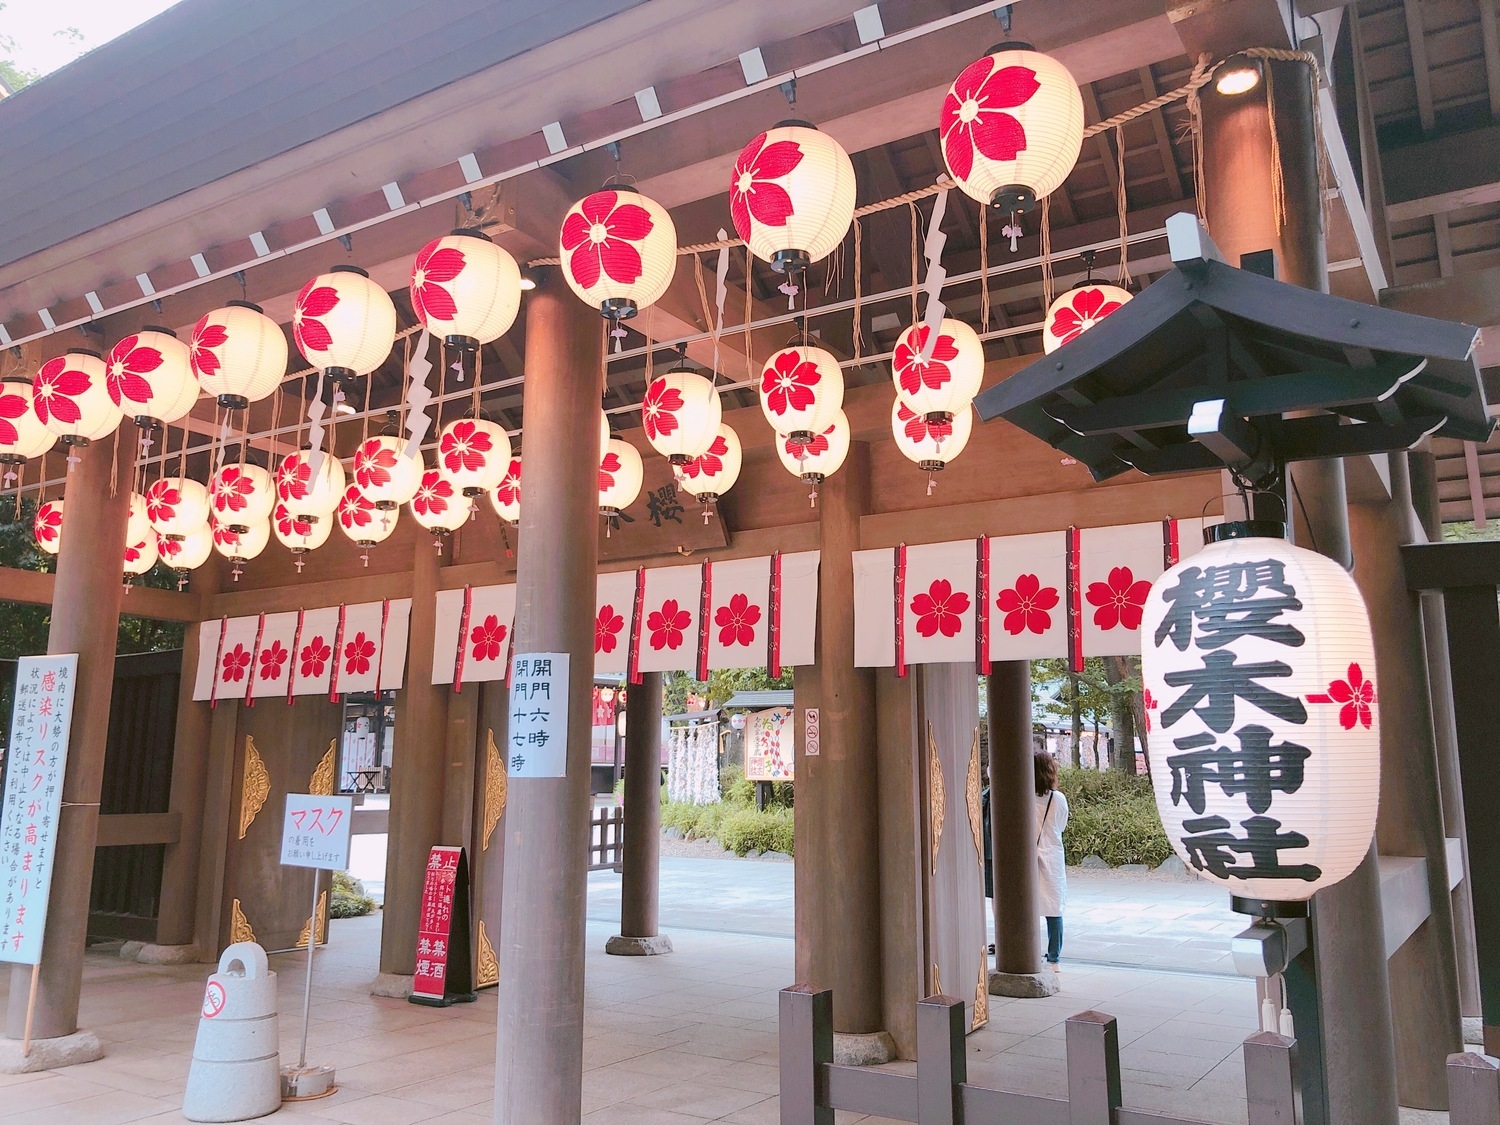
(495, 786)
(489, 964)
(239, 925)
(982, 994)
(256, 789)
(973, 799)
(937, 795)
(321, 783)
(937, 980)
(322, 924)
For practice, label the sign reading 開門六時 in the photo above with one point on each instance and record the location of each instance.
(38, 754)
(538, 739)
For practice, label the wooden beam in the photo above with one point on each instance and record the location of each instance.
(1417, 36)
(1444, 239)
(1149, 90)
(1489, 26)
(124, 829)
(1443, 173)
(1476, 484)
(34, 587)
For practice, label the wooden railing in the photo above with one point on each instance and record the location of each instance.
(607, 839)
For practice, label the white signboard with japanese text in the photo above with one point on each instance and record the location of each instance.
(315, 832)
(38, 755)
(538, 715)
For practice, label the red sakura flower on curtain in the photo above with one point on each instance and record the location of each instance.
(667, 625)
(1025, 605)
(435, 265)
(1086, 309)
(315, 656)
(974, 118)
(125, 369)
(607, 628)
(271, 661)
(313, 302)
(1118, 602)
(358, 654)
(206, 337)
(55, 388)
(465, 447)
(915, 374)
(236, 661)
(938, 609)
(487, 637)
(659, 410)
(752, 195)
(737, 621)
(597, 238)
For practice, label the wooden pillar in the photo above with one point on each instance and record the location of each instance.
(640, 885)
(85, 620)
(539, 1048)
(1353, 993)
(838, 868)
(418, 772)
(1018, 949)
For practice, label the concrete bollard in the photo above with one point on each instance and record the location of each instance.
(236, 1071)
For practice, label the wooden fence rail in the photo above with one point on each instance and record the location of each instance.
(607, 839)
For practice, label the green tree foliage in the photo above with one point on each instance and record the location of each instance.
(720, 686)
(11, 73)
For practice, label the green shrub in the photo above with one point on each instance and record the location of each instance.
(348, 899)
(744, 830)
(734, 788)
(1113, 816)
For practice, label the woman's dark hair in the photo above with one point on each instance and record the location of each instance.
(1046, 772)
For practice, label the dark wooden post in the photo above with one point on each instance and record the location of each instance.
(1018, 948)
(1473, 1090)
(539, 1047)
(942, 1067)
(640, 884)
(805, 1044)
(85, 619)
(1271, 1079)
(1093, 1045)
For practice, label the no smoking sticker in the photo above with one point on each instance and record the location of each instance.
(213, 1000)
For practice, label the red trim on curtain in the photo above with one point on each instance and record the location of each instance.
(338, 656)
(982, 610)
(900, 591)
(463, 631)
(705, 603)
(385, 616)
(291, 672)
(1075, 601)
(213, 683)
(260, 632)
(1171, 547)
(773, 617)
(639, 602)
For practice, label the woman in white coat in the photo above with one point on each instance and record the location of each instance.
(1052, 881)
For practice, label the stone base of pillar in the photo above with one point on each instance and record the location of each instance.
(49, 1054)
(1024, 986)
(1473, 1031)
(149, 953)
(867, 1049)
(654, 946)
(393, 986)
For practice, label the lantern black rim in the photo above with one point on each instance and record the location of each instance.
(74, 440)
(618, 308)
(146, 422)
(794, 123)
(159, 328)
(469, 345)
(1267, 908)
(234, 402)
(931, 466)
(1016, 198)
(1244, 529)
(251, 305)
(346, 268)
(470, 232)
(1010, 45)
(790, 261)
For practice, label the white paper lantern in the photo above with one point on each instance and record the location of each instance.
(505, 497)
(47, 527)
(791, 195)
(819, 459)
(240, 543)
(71, 397)
(240, 493)
(619, 251)
(681, 414)
(465, 289)
(22, 434)
(299, 533)
(187, 552)
(801, 391)
(439, 505)
(362, 521)
(620, 476)
(713, 472)
(948, 380)
(238, 354)
(604, 434)
(305, 493)
(1078, 310)
(930, 444)
(142, 554)
(1011, 127)
(1259, 679)
(150, 377)
(383, 471)
(344, 323)
(137, 523)
(176, 506)
(473, 453)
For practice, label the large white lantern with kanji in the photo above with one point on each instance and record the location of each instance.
(930, 444)
(473, 453)
(150, 377)
(240, 493)
(306, 492)
(344, 323)
(71, 398)
(619, 251)
(1011, 127)
(681, 414)
(22, 434)
(801, 391)
(238, 354)
(505, 497)
(141, 554)
(620, 476)
(944, 382)
(1258, 668)
(714, 471)
(383, 471)
(1078, 310)
(439, 505)
(816, 460)
(791, 195)
(465, 289)
(47, 526)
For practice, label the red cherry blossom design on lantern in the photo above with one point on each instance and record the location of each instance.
(162, 499)
(11, 408)
(290, 525)
(1086, 309)
(235, 663)
(272, 660)
(373, 463)
(206, 337)
(48, 524)
(313, 302)
(134, 553)
(609, 465)
(224, 536)
(607, 628)
(1149, 703)
(1025, 605)
(667, 625)
(598, 238)
(752, 195)
(355, 510)
(709, 464)
(315, 656)
(293, 478)
(231, 487)
(487, 637)
(56, 386)
(916, 429)
(737, 621)
(435, 265)
(974, 117)
(358, 653)
(818, 444)
(169, 549)
(1118, 602)
(659, 409)
(788, 383)
(508, 491)
(433, 496)
(912, 372)
(938, 609)
(464, 447)
(128, 362)
(1357, 695)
